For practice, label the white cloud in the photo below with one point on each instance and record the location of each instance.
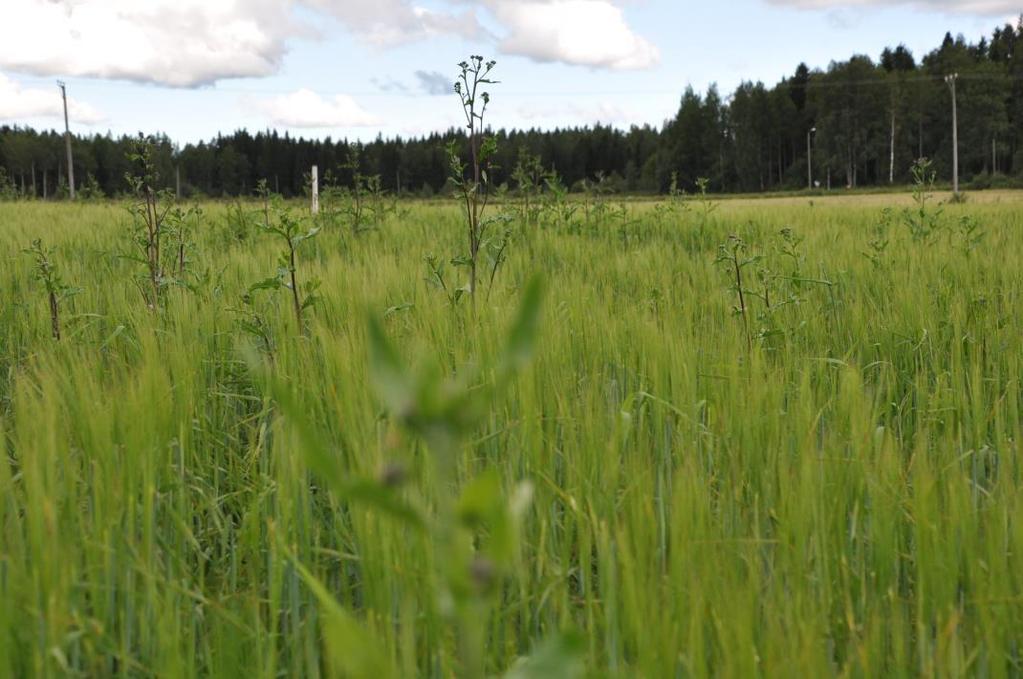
(574, 113)
(306, 108)
(188, 43)
(393, 22)
(580, 32)
(18, 103)
(978, 7)
(181, 43)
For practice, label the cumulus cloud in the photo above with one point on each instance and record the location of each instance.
(394, 22)
(305, 108)
(581, 32)
(977, 7)
(574, 113)
(189, 43)
(18, 103)
(180, 43)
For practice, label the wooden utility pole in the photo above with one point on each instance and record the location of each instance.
(315, 180)
(951, 80)
(67, 143)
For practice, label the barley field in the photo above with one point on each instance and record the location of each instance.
(674, 439)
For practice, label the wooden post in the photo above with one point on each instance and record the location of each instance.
(315, 180)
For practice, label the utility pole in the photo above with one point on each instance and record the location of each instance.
(809, 158)
(951, 80)
(67, 143)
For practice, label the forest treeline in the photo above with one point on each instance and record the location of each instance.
(864, 120)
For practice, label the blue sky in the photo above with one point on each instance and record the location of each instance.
(357, 68)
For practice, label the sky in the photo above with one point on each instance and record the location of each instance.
(358, 68)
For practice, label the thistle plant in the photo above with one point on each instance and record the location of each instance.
(472, 524)
(595, 207)
(289, 229)
(675, 202)
(437, 278)
(734, 256)
(923, 221)
(969, 234)
(558, 205)
(253, 322)
(473, 181)
(880, 238)
(149, 215)
(265, 196)
(705, 206)
(497, 254)
(529, 176)
(181, 226)
(56, 290)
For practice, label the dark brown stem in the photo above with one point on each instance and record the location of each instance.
(742, 299)
(54, 316)
(294, 283)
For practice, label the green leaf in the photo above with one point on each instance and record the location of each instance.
(398, 308)
(272, 283)
(391, 379)
(523, 332)
(352, 650)
(558, 657)
(326, 465)
(481, 499)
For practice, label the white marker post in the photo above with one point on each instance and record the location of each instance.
(316, 190)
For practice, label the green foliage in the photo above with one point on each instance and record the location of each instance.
(149, 210)
(89, 189)
(362, 206)
(444, 413)
(56, 289)
(923, 221)
(705, 207)
(7, 189)
(472, 180)
(734, 258)
(292, 232)
(880, 237)
(834, 497)
(529, 176)
(970, 234)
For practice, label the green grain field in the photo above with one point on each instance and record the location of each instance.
(659, 479)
